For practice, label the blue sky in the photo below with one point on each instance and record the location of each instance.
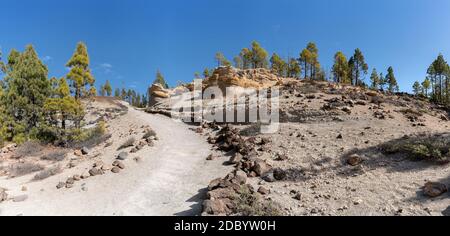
(129, 40)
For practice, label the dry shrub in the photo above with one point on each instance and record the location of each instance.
(22, 169)
(128, 143)
(48, 173)
(248, 204)
(57, 155)
(424, 147)
(149, 133)
(29, 149)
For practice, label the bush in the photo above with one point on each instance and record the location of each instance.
(149, 133)
(47, 173)
(129, 143)
(425, 147)
(21, 169)
(248, 204)
(58, 155)
(29, 149)
(78, 138)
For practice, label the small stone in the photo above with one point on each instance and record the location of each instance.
(236, 158)
(70, 181)
(122, 156)
(69, 185)
(240, 177)
(433, 189)
(77, 153)
(354, 160)
(76, 177)
(60, 185)
(3, 195)
(340, 136)
(118, 164)
(269, 177)
(358, 202)
(95, 172)
(84, 151)
(20, 198)
(298, 196)
(24, 188)
(115, 170)
(210, 157)
(279, 174)
(263, 190)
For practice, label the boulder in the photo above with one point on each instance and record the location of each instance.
(240, 177)
(158, 94)
(215, 207)
(261, 168)
(236, 158)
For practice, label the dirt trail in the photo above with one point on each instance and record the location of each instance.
(168, 181)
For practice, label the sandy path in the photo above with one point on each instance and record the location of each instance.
(168, 181)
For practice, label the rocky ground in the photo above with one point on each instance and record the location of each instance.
(328, 158)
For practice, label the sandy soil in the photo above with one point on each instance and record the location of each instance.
(167, 179)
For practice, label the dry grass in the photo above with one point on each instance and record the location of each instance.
(248, 204)
(22, 169)
(128, 143)
(56, 155)
(149, 133)
(424, 147)
(47, 173)
(29, 149)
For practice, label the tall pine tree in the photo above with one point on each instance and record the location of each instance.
(80, 73)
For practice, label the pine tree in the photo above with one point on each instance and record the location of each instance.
(206, 73)
(160, 80)
(62, 107)
(221, 60)
(278, 65)
(417, 88)
(358, 67)
(2, 64)
(426, 84)
(439, 76)
(108, 89)
(383, 82)
(392, 81)
(80, 73)
(340, 68)
(117, 93)
(259, 56)
(238, 63)
(102, 91)
(27, 90)
(246, 56)
(374, 80)
(294, 70)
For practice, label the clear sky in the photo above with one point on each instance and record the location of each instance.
(129, 40)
